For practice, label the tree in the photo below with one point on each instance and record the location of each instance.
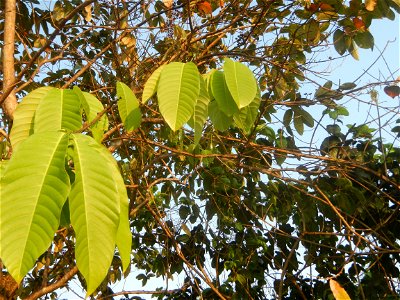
(239, 181)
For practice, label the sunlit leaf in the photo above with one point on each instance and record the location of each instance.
(24, 115)
(128, 107)
(178, 91)
(370, 4)
(34, 186)
(59, 109)
(240, 81)
(92, 107)
(338, 291)
(94, 204)
(150, 88)
(221, 94)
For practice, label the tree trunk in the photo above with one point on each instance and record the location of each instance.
(10, 103)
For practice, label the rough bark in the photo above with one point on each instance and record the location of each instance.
(10, 102)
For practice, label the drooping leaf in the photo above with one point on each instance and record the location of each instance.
(92, 107)
(94, 204)
(218, 118)
(354, 50)
(246, 116)
(338, 291)
(59, 109)
(24, 115)
(128, 107)
(240, 81)
(339, 41)
(34, 186)
(222, 95)
(124, 235)
(364, 40)
(200, 111)
(178, 91)
(150, 87)
(298, 122)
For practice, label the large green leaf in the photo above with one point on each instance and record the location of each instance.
(59, 109)
(222, 95)
(92, 106)
(34, 188)
(219, 119)
(240, 81)
(128, 107)
(94, 204)
(200, 114)
(124, 235)
(24, 115)
(150, 87)
(178, 91)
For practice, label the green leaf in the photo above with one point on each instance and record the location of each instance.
(59, 109)
(92, 106)
(24, 115)
(220, 120)
(364, 39)
(240, 81)
(312, 32)
(34, 186)
(347, 86)
(94, 204)
(246, 116)
(128, 107)
(178, 91)
(339, 41)
(222, 95)
(200, 111)
(307, 118)
(287, 117)
(298, 122)
(150, 87)
(124, 235)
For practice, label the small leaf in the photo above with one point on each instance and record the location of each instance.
(353, 50)
(339, 41)
(204, 7)
(370, 4)
(240, 81)
(150, 87)
(128, 107)
(364, 40)
(392, 90)
(287, 117)
(347, 86)
(298, 122)
(338, 292)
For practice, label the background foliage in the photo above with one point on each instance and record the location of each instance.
(269, 205)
